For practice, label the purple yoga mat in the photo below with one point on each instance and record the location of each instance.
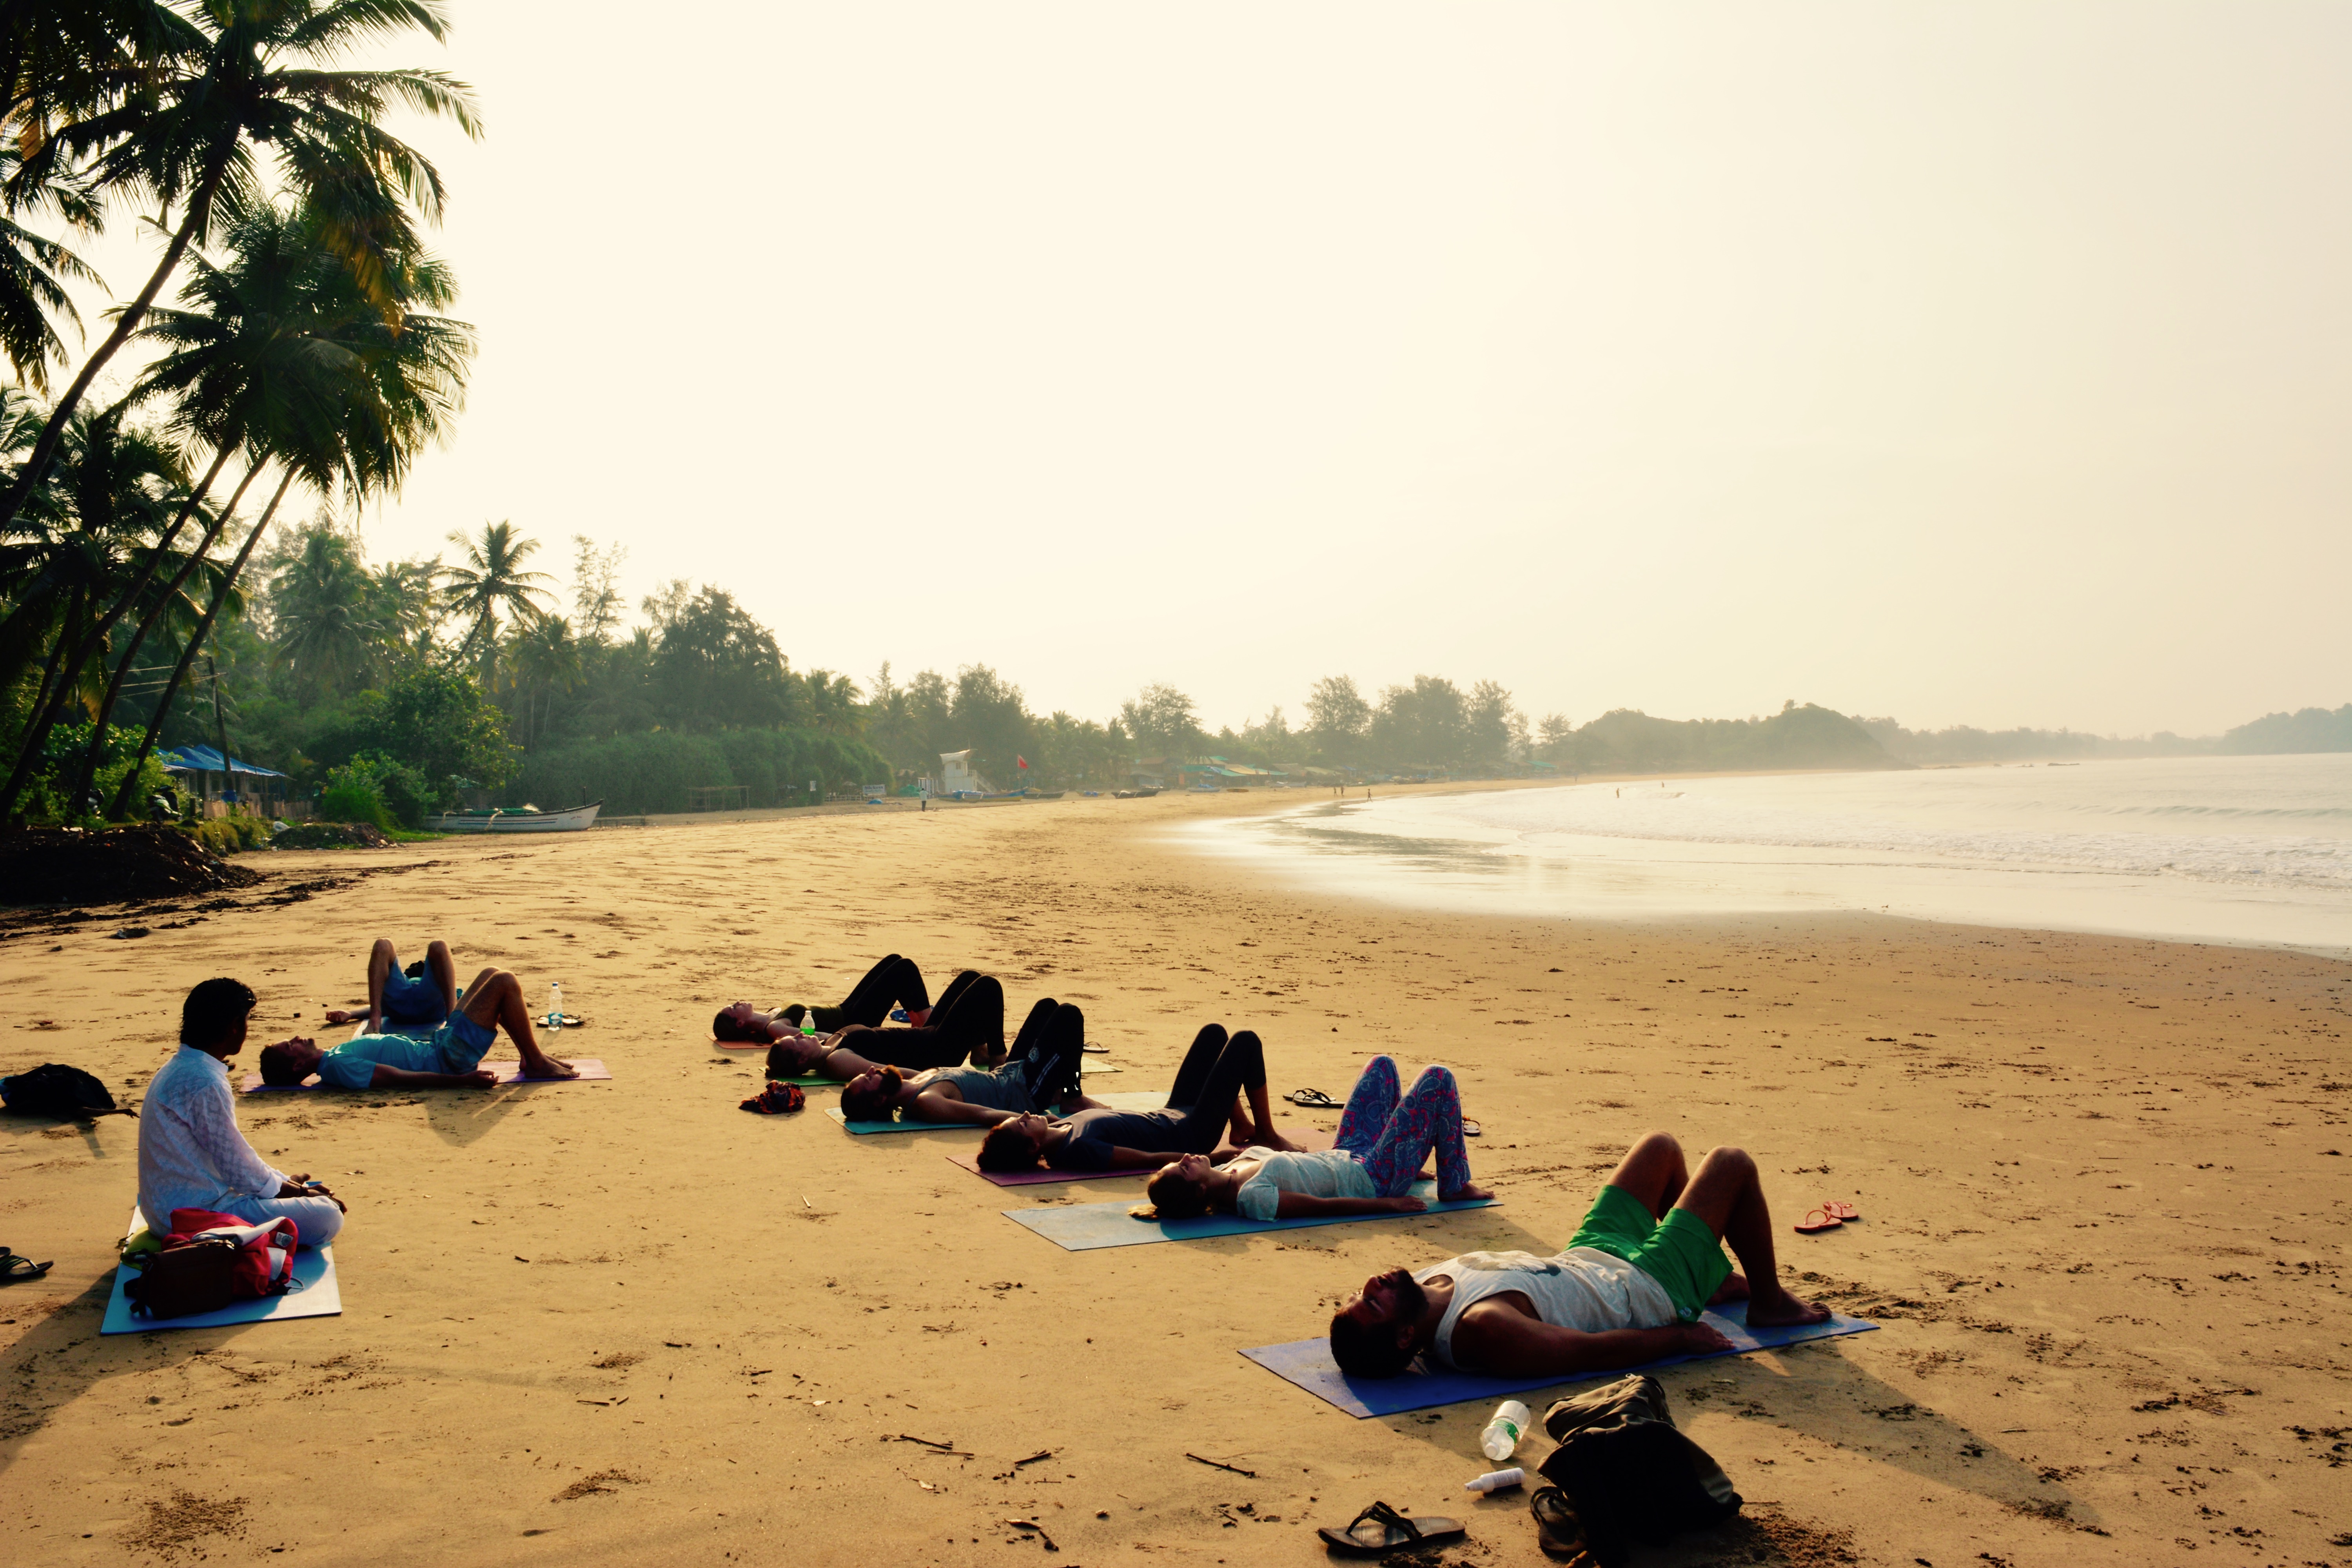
(1305, 1137)
(590, 1067)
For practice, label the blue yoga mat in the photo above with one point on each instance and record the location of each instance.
(1082, 1227)
(1307, 1364)
(316, 1293)
(1128, 1102)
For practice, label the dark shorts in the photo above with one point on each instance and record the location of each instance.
(1679, 1252)
(463, 1043)
(408, 1003)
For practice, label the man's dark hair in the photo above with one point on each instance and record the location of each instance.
(276, 1071)
(877, 1104)
(214, 1010)
(1367, 1352)
(725, 1027)
(1007, 1148)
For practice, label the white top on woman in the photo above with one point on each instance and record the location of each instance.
(1315, 1174)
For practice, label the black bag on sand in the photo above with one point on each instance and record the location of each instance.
(59, 1094)
(1629, 1474)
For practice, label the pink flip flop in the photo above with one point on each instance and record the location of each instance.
(1817, 1221)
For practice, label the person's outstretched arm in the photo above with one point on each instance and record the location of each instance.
(939, 1108)
(1298, 1206)
(1123, 1159)
(1507, 1343)
(401, 1077)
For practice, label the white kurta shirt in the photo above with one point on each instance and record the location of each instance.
(190, 1155)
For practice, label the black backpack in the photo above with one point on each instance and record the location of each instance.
(1629, 1474)
(58, 1094)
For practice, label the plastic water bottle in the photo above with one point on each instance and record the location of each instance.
(1495, 1480)
(555, 1005)
(1501, 1437)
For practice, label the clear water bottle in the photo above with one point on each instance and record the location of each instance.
(1501, 1437)
(555, 1005)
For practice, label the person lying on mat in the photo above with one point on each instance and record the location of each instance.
(420, 995)
(967, 1022)
(1044, 1071)
(893, 982)
(1628, 1289)
(1383, 1137)
(1205, 1103)
(449, 1058)
(190, 1155)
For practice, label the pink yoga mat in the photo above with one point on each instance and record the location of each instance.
(590, 1067)
(1305, 1137)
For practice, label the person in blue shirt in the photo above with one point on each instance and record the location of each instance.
(420, 995)
(449, 1058)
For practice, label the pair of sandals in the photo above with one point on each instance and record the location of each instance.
(1316, 1099)
(1830, 1215)
(15, 1267)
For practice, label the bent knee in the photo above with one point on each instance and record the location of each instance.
(1435, 1077)
(1658, 1144)
(1725, 1156)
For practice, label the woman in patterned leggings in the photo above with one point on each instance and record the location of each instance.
(1383, 1137)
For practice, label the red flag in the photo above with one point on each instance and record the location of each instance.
(1021, 761)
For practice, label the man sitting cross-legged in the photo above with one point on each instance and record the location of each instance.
(420, 995)
(190, 1155)
(450, 1058)
(1628, 1289)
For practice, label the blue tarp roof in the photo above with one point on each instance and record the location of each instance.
(205, 760)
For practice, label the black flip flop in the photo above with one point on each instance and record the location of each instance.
(1381, 1528)
(1313, 1100)
(14, 1268)
(1557, 1530)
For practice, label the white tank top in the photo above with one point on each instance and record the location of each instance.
(1581, 1288)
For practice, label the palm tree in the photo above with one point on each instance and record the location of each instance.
(488, 578)
(546, 656)
(404, 606)
(318, 609)
(184, 115)
(33, 272)
(402, 383)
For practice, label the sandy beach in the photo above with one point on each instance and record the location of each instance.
(2105, 1187)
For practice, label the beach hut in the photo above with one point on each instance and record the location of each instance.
(199, 770)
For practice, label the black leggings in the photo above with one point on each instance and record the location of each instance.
(1214, 1071)
(1052, 1041)
(895, 982)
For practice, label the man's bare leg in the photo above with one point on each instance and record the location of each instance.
(381, 959)
(495, 1000)
(1653, 1171)
(1728, 1195)
(443, 968)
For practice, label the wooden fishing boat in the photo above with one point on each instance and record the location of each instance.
(515, 819)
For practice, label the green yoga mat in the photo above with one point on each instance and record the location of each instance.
(1131, 1102)
(1082, 1228)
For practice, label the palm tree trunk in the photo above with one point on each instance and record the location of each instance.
(36, 465)
(56, 653)
(195, 641)
(37, 736)
(90, 759)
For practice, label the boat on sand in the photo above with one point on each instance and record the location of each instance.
(514, 819)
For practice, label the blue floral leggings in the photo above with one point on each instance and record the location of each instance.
(1390, 1134)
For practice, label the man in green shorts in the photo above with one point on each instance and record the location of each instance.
(449, 1058)
(1627, 1290)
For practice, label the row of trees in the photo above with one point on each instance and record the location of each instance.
(306, 349)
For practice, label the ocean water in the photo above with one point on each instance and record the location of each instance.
(2234, 849)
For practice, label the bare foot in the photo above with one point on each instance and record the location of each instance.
(1467, 1194)
(548, 1067)
(1782, 1311)
(1276, 1142)
(1733, 1289)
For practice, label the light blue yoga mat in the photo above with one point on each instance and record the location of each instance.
(315, 1294)
(1129, 1102)
(1307, 1364)
(1082, 1227)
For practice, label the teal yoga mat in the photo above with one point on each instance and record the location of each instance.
(1130, 1102)
(1082, 1228)
(1307, 1364)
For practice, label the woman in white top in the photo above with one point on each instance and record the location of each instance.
(1383, 1140)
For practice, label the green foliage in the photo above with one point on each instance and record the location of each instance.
(652, 772)
(1807, 737)
(348, 801)
(438, 723)
(228, 835)
(2308, 729)
(372, 787)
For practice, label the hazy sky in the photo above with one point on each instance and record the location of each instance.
(1974, 363)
